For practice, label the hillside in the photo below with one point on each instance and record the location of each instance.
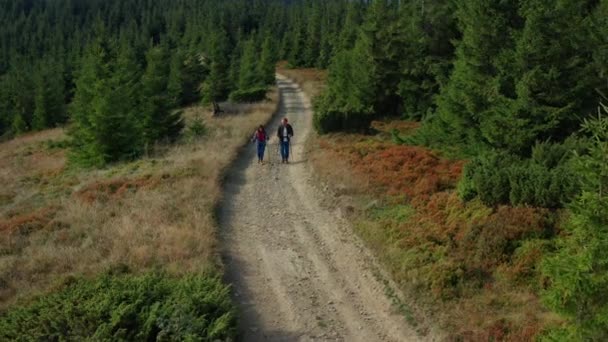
(464, 142)
(60, 223)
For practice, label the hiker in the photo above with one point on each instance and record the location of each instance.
(285, 133)
(261, 138)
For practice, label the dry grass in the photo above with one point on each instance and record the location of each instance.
(56, 222)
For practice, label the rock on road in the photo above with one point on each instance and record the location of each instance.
(298, 272)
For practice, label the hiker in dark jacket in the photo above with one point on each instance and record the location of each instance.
(285, 133)
(261, 138)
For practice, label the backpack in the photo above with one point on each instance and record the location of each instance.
(261, 136)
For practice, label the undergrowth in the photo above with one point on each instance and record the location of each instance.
(476, 266)
(125, 307)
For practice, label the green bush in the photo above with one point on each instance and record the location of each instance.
(487, 177)
(150, 307)
(576, 273)
(329, 117)
(250, 95)
(545, 180)
(197, 128)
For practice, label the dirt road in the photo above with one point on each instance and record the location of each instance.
(298, 272)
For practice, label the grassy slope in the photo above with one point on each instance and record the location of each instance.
(473, 267)
(157, 212)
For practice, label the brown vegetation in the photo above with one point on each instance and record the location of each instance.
(56, 221)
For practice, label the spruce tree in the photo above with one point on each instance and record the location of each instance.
(20, 89)
(193, 75)
(267, 61)
(40, 120)
(217, 86)
(126, 75)
(429, 30)
(103, 127)
(382, 44)
(473, 89)
(546, 90)
(49, 99)
(175, 83)
(19, 126)
(578, 270)
(5, 108)
(94, 71)
(350, 28)
(297, 56)
(311, 49)
(252, 82)
(159, 122)
(325, 48)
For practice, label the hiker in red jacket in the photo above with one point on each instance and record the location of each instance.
(261, 138)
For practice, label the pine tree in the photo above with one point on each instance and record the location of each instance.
(193, 75)
(40, 119)
(175, 85)
(348, 101)
(547, 87)
(297, 57)
(382, 44)
(311, 49)
(578, 270)
(216, 86)
(20, 89)
(350, 29)
(5, 108)
(159, 122)
(598, 26)
(19, 126)
(85, 147)
(126, 75)
(267, 62)
(49, 99)
(325, 48)
(472, 90)
(429, 30)
(252, 82)
(104, 128)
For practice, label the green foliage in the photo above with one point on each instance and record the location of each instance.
(430, 32)
(512, 83)
(150, 307)
(578, 270)
(268, 60)
(250, 95)
(216, 86)
(197, 128)
(104, 129)
(487, 176)
(252, 82)
(159, 121)
(19, 125)
(49, 99)
(546, 180)
(175, 82)
(347, 102)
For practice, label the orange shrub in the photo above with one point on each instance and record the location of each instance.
(396, 169)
